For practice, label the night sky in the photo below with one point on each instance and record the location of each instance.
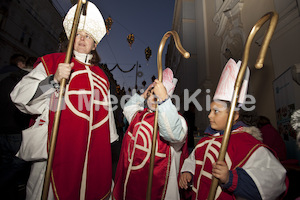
(147, 20)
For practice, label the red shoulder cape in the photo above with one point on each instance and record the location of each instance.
(240, 147)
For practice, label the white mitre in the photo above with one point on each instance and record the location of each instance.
(225, 88)
(92, 23)
(169, 81)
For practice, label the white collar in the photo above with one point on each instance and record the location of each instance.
(83, 57)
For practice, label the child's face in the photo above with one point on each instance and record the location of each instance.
(218, 115)
(151, 99)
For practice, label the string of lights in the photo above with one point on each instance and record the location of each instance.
(111, 49)
(130, 39)
(124, 71)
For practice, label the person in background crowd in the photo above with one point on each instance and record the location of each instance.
(295, 122)
(14, 172)
(16, 62)
(29, 63)
(189, 116)
(82, 165)
(271, 137)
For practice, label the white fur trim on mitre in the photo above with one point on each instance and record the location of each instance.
(93, 23)
(169, 81)
(227, 80)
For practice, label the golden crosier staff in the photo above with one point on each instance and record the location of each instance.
(60, 100)
(159, 67)
(273, 16)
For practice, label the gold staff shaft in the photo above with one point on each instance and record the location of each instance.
(60, 100)
(273, 16)
(159, 67)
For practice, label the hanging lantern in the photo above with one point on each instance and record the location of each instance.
(140, 74)
(130, 39)
(153, 78)
(148, 53)
(108, 24)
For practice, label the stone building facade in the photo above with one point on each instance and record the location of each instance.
(29, 27)
(214, 31)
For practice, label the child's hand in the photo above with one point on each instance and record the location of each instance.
(184, 179)
(220, 171)
(160, 90)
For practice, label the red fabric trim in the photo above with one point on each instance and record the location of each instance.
(45, 66)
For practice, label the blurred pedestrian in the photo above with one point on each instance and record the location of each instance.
(29, 63)
(16, 62)
(272, 137)
(14, 172)
(189, 116)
